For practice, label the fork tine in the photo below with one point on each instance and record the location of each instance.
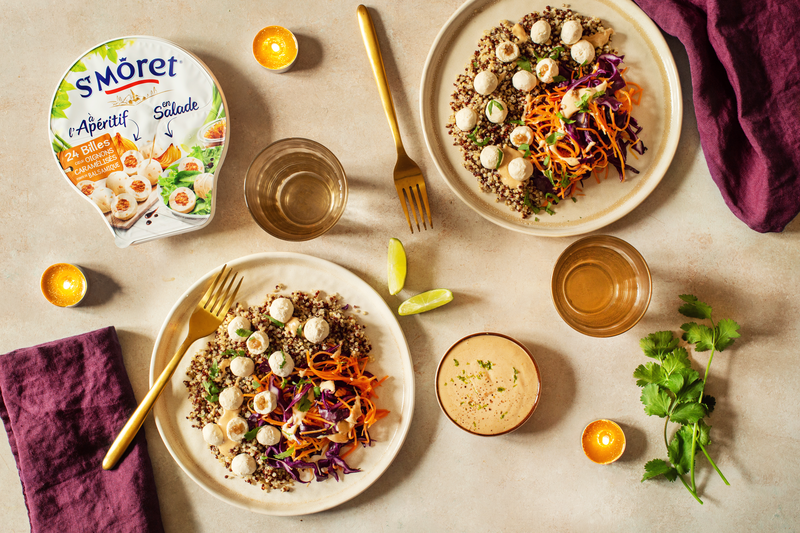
(405, 209)
(424, 192)
(232, 299)
(221, 297)
(210, 290)
(214, 299)
(411, 206)
(415, 188)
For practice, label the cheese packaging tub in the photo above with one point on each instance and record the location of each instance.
(139, 127)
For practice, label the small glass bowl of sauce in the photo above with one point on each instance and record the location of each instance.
(603, 441)
(64, 285)
(275, 48)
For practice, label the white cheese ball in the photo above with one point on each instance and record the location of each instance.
(496, 111)
(507, 51)
(212, 434)
(524, 81)
(268, 436)
(243, 465)
(540, 32)
(242, 366)
(491, 157)
(265, 402)
(485, 82)
(257, 343)
(316, 330)
(466, 119)
(236, 324)
(520, 169)
(571, 32)
(281, 364)
(582, 52)
(281, 309)
(546, 70)
(231, 398)
(521, 135)
(236, 429)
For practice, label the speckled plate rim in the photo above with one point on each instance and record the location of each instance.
(608, 203)
(486, 334)
(261, 273)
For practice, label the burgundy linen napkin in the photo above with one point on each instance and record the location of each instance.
(62, 404)
(746, 84)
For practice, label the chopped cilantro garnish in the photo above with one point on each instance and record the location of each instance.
(515, 374)
(214, 370)
(556, 52)
(546, 161)
(287, 453)
(487, 365)
(564, 119)
(575, 200)
(456, 362)
(250, 435)
(500, 389)
(473, 138)
(553, 137)
(559, 79)
(526, 149)
(283, 360)
(304, 404)
(524, 63)
(276, 322)
(494, 103)
(517, 122)
(243, 332)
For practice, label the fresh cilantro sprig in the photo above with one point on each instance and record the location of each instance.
(672, 390)
(523, 63)
(526, 150)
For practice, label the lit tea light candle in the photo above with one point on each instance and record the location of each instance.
(275, 48)
(603, 441)
(63, 284)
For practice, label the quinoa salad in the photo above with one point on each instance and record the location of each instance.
(282, 394)
(541, 106)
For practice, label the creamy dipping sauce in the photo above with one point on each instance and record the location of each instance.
(488, 384)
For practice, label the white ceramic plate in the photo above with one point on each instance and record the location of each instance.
(262, 272)
(651, 66)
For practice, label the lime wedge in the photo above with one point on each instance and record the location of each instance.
(397, 266)
(425, 302)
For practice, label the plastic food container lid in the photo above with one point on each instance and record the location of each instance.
(139, 127)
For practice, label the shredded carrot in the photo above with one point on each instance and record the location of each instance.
(560, 157)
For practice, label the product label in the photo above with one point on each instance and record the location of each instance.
(139, 127)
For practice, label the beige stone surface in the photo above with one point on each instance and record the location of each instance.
(443, 479)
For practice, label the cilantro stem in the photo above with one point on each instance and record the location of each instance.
(694, 451)
(700, 401)
(713, 464)
(693, 493)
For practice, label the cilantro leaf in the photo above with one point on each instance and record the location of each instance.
(676, 359)
(524, 63)
(243, 332)
(659, 467)
(688, 413)
(517, 122)
(710, 402)
(559, 79)
(703, 433)
(727, 330)
(657, 345)
(256, 384)
(556, 52)
(694, 308)
(317, 392)
(305, 404)
(494, 103)
(287, 453)
(276, 322)
(546, 162)
(553, 137)
(214, 370)
(564, 119)
(213, 398)
(526, 149)
(250, 435)
(679, 450)
(656, 400)
(699, 335)
(648, 373)
(473, 137)
(691, 390)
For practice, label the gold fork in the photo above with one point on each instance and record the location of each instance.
(408, 179)
(205, 320)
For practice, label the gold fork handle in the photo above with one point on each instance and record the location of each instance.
(131, 427)
(376, 60)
